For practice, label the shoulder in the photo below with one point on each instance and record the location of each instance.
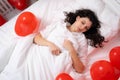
(79, 35)
(80, 38)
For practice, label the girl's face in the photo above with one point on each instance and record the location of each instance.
(81, 24)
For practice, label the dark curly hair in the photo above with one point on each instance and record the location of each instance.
(93, 35)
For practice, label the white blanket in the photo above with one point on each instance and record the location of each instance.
(18, 53)
(38, 62)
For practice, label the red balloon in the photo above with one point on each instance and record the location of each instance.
(2, 20)
(64, 76)
(117, 76)
(115, 57)
(102, 70)
(26, 24)
(19, 4)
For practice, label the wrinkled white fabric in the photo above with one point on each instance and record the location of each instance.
(32, 62)
(20, 52)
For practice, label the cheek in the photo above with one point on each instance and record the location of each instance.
(84, 30)
(78, 23)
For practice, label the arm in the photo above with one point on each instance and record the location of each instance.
(77, 64)
(39, 40)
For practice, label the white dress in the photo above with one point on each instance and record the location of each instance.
(32, 62)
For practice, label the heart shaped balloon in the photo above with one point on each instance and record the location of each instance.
(102, 70)
(114, 56)
(2, 20)
(19, 4)
(64, 76)
(26, 24)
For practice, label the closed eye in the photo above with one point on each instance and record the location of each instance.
(83, 22)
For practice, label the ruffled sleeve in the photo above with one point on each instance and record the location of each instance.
(82, 49)
(83, 46)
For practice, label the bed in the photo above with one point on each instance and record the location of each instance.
(50, 11)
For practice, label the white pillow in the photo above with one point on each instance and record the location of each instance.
(114, 5)
(109, 26)
(95, 5)
(72, 5)
(110, 23)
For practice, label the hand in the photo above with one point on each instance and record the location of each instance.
(54, 49)
(78, 66)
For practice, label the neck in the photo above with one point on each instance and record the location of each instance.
(69, 28)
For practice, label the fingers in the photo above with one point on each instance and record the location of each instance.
(55, 49)
(56, 52)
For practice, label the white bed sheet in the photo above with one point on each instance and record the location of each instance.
(49, 11)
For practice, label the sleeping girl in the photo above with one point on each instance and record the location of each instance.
(79, 29)
(60, 47)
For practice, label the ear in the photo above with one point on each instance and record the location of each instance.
(77, 18)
